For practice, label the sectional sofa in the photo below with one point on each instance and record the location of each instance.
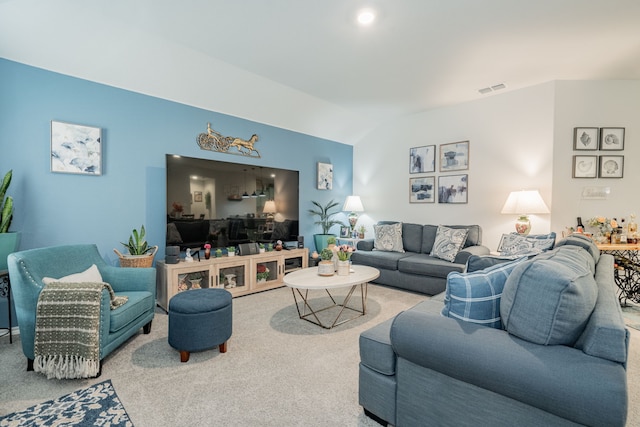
(411, 265)
(550, 348)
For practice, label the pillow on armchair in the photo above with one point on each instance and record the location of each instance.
(517, 244)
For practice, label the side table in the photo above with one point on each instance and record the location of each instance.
(5, 292)
(627, 275)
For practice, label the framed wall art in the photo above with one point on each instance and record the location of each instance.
(197, 196)
(76, 149)
(585, 167)
(344, 232)
(585, 138)
(611, 139)
(422, 190)
(422, 159)
(453, 188)
(325, 176)
(611, 166)
(454, 156)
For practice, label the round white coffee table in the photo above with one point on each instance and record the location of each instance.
(302, 281)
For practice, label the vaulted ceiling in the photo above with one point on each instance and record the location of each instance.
(306, 65)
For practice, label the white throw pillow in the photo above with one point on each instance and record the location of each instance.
(90, 275)
(388, 237)
(448, 242)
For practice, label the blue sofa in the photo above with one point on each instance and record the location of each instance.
(414, 269)
(28, 268)
(423, 368)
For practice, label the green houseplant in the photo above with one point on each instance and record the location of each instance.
(325, 221)
(140, 253)
(8, 240)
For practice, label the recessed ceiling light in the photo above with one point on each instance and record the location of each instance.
(366, 17)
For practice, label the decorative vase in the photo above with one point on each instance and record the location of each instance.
(207, 253)
(343, 268)
(325, 268)
(262, 280)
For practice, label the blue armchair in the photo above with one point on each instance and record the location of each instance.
(28, 268)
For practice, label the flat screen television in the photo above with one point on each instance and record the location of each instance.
(203, 189)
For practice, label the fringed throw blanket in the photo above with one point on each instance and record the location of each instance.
(67, 343)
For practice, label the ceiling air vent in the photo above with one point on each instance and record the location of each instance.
(493, 88)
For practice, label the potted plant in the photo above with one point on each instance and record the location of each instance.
(262, 273)
(140, 253)
(361, 231)
(218, 253)
(261, 248)
(231, 251)
(326, 266)
(325, 220)
(9, 241)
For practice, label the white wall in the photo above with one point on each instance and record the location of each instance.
(518, 140)
(595, 104)
(511, 147)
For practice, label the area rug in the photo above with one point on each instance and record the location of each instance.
(97, 405)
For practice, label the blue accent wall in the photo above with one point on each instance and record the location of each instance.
(137, 132)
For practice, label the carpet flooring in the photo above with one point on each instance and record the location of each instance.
(278, 371)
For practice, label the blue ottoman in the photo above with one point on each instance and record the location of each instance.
(199, 319)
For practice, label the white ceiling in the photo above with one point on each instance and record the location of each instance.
(305, 65)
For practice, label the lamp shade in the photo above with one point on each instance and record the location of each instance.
(353, 204)
(269, 207)
(525, 202)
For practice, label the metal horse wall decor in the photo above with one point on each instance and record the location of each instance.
(214, 141)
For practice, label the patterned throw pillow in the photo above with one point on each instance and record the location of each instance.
(388, 237)
(517, 244)
(475, 297)
(448, 242)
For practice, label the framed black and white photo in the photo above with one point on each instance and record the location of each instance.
(611, 139)
(422, 190)
(585, 138)
(76, 149)
(611, 166)
(422, 159)
(325, 176)
(585, 167)
(454, 156)
(344, 232)
(453, 188)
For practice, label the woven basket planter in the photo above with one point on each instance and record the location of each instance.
(140, 261)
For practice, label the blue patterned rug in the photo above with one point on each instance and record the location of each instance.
(97, 405)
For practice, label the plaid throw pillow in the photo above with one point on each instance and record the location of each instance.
(475, 297)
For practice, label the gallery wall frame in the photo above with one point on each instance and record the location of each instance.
(325, 176)
(76, 149)
(197, 196)
(422, 190)
(585, 167)
(611, 139)
(454, 156)
(611, 167)
(422, 159)
(585, 138)
(453, 188)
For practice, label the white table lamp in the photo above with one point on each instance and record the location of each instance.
(523, 203)
(353, 204)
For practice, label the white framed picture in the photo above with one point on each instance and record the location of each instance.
(76, 149)
(611, 166)
(454, 156)
(325, 176)
(422, 159)
(585, 167)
